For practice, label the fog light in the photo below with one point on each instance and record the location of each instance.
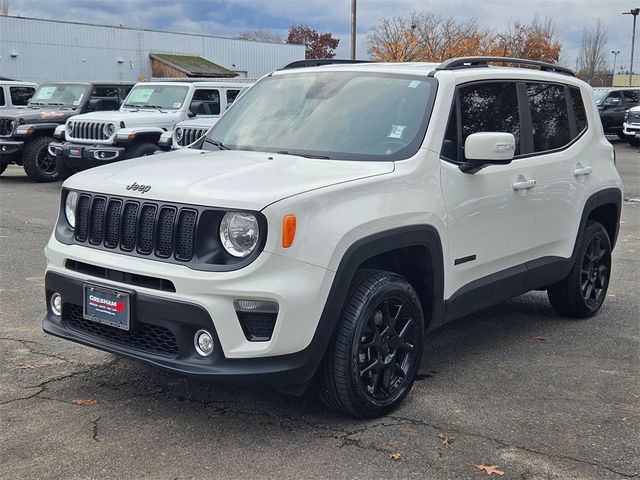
(203, 341)
(56, 304)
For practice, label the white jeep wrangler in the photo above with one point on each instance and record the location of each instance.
(150, 109)
(334, 216)
(190, 131)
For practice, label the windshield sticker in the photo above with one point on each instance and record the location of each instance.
(177, 105)
(414, 84)
(45, 93)
(140, 95)
(76, 103)
(397, 131)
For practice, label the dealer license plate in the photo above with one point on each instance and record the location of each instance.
(107, 306)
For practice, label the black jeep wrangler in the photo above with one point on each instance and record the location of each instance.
(25, 134)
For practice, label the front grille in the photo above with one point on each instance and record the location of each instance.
(144, 336)
(6, 127)
(190, 135)
(148, 228)
(634, 117)
(88, 131)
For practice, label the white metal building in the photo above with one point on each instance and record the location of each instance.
(38, 50)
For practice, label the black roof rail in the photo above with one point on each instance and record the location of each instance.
(474, 62)
(320, 61)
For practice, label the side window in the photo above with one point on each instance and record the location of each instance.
(613, 99)
(549, 116)
(578, 108)
(210, 101)
(489, 107)
(20, 96)
(632, 97)
(231, 96)
(450, 149)
(2, 103)
(104, 98)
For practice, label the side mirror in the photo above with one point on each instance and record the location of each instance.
(487, 148)
(196, 108)
(611, 101)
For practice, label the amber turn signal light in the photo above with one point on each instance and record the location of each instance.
(288, 230)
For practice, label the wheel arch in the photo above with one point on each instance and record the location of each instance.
(604, 207)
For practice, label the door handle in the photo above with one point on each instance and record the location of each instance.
(523, 185)
(580, 171)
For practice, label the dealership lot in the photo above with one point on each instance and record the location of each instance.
(514, 386)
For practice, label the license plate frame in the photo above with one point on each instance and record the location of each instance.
(107, 306)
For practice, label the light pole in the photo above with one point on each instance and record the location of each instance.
(615, 57)
(635, 12)
(353, 29)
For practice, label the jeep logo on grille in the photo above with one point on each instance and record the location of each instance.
(138, 188)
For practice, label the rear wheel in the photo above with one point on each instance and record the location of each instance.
(38, 163)
(3, 167)
(582, 292)
(375, 354)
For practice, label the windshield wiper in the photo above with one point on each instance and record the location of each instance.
(305, 155)
(55, 104)
(217, 143)
(35, 104)
(156, 106)
(131, 105)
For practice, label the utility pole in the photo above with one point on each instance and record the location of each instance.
(353, 29)
(615, 57)
(635, 12)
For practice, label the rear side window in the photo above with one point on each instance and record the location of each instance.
(489, 107)
(632, 97)
(578, 108)
(210, 101)
(231, 96)
(1, 96)
(105, 92)
(20, 96)
(549, 116)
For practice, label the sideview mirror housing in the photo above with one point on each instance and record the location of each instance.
(487, 148)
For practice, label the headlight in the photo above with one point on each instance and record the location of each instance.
(12, 125)
(109, 129)
(239, 233)
(178, 134)
(69, 128)
(70, 208)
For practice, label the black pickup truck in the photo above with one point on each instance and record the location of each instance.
(25, 134)
(613, 103)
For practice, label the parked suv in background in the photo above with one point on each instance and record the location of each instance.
(333, 216)
(612, 105)
(15, 94)
(151, 109)
(25, 134)
(206, 113)
(632, 126)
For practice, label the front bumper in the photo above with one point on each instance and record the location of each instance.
(631, 129)
(81, 157)
(202, 300)
(10, 150)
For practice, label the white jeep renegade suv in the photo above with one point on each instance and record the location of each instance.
(334, 216)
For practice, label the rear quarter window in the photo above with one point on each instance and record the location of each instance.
(549, 116)
(579, 110)
(2, 102)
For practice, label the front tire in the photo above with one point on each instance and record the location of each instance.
(38, 163)
(582, 292)
(375, 354)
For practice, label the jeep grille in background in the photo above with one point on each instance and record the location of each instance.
(149, 228)
(634, 117)
(6, 129)
(88, 131)
(190, 135)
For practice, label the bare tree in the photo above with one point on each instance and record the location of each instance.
(262, 36)
(592, 57)
(394, 40)
(4, 8)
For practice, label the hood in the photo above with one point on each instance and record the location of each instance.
(39, 115)
(199, 122)
(132, 118)
(228, 178)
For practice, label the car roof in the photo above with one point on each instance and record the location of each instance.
(14, 83)
(97, 83)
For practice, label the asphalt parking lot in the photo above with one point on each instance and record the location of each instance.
(514, 386)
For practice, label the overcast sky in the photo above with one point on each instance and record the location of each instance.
(231, 17)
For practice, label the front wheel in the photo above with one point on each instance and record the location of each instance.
(582, 292)
(38, 163)
(375, 353)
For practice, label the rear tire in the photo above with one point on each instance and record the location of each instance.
(142, 150)
(39, 165)
(3, 167)
(372, 361)
(582, 292)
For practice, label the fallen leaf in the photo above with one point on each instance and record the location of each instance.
(395, 456)
(539, 338)
(446, 441)
(88, 401)
(490, 469)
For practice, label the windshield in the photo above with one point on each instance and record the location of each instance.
(166, 97)
(61, 95)
(335, 115)
(600, 94)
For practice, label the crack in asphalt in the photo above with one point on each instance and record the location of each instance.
(94, 424)
(25, 344)
(503, 443)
